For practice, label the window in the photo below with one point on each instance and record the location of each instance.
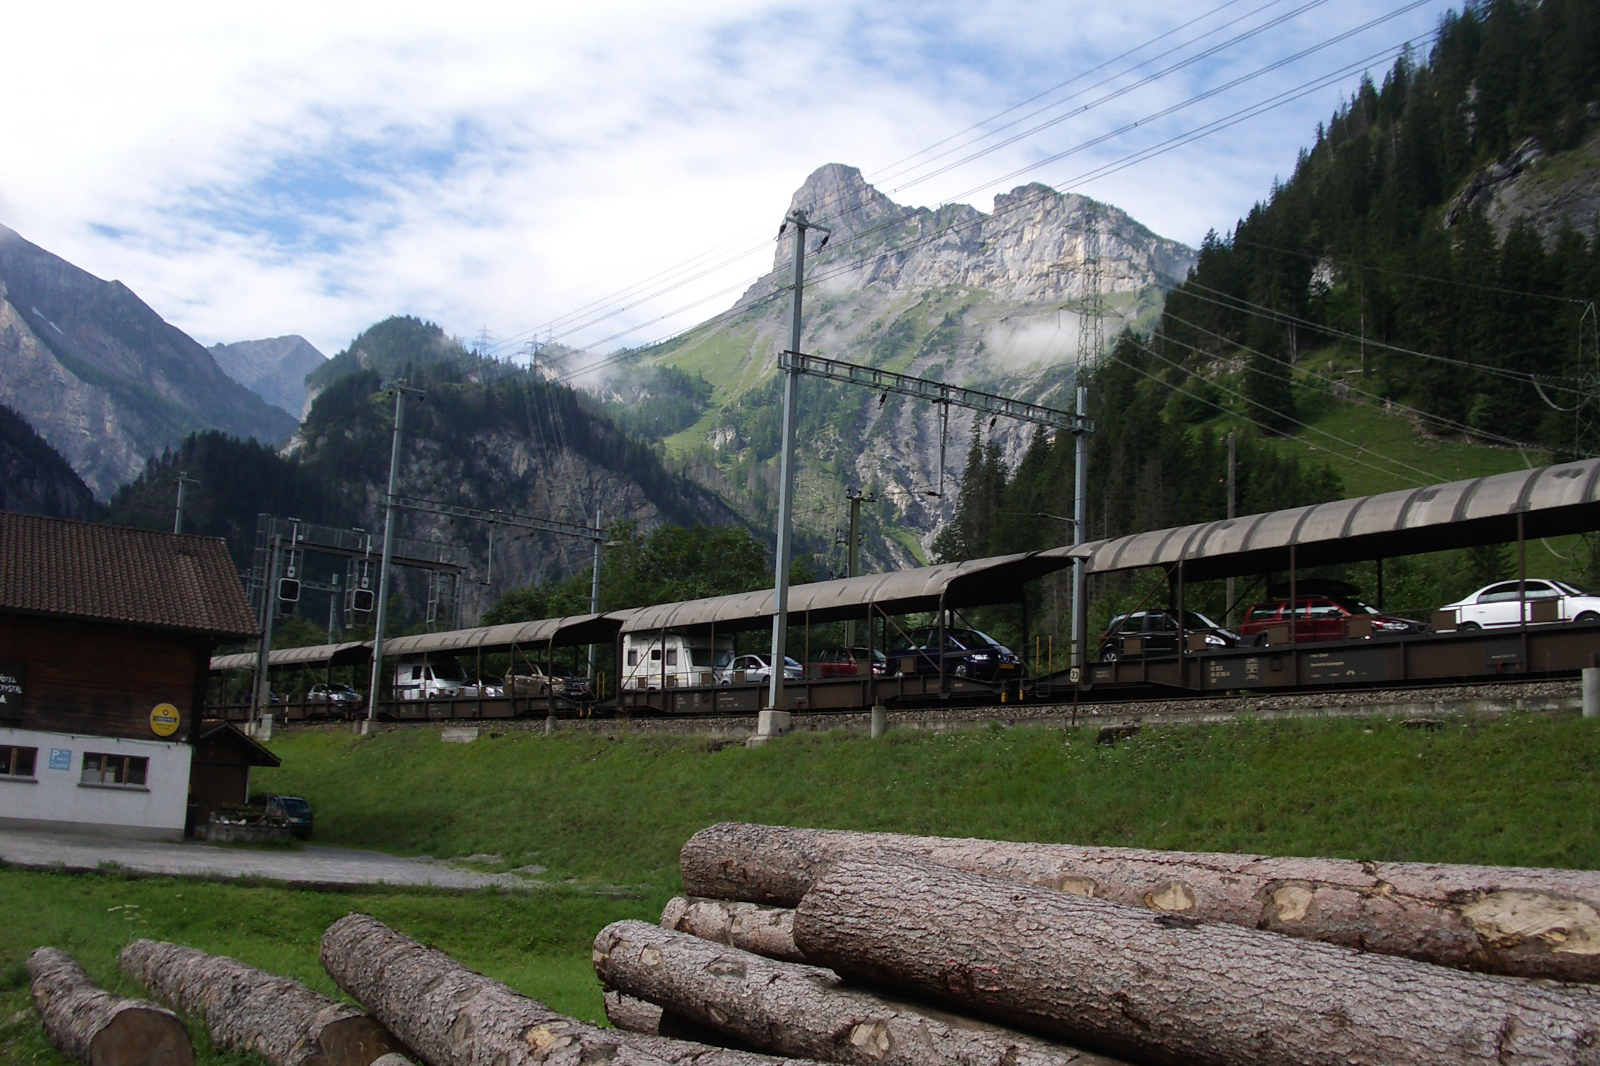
(103, 769)
(672, 656)
(15, 761)
(633, 656)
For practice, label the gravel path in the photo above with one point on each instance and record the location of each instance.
(310, 866)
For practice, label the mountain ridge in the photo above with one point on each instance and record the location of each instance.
(989, 301)
(275, 369)
(102, 377)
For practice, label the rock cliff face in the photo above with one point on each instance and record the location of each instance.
(101, 377)
(274, 370)
(1031, 249)
(1548, 191)
(985, 301)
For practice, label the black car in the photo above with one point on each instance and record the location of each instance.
(966, 653)
(292, 811)
(1158, 632)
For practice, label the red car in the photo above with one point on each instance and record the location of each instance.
(848, 662)
(1315, 618)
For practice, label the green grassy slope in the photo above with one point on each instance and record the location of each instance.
(604, 813)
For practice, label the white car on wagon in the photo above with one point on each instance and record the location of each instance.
(1497, 604)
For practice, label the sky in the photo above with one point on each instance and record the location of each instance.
(605, 174)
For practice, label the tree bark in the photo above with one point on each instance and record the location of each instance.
(1514, 921)
(750, 927)
(452, 1016)
(793, 1009)
(1173, 989)
(89, 1024)
(632, 1014)
(275, 1017)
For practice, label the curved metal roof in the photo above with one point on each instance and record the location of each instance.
(966, 584)
(1548, 501)
(350, 653)
(574, 629)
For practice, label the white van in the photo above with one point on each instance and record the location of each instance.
(428, 679)
(667, 660)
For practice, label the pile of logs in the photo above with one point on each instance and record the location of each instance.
(886, 949)
(795, 945)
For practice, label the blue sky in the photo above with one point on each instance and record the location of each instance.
(314, 168)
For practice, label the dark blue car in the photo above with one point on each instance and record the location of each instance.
(965, 653)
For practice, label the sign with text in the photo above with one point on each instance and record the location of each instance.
(164, 720)
(12, 681)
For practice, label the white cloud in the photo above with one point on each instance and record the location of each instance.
(312, 169)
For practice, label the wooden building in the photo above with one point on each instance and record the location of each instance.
(106, 636)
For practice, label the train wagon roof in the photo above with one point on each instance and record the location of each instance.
(350, 653)
(571, 630)
(1547, 501)
(966, 584)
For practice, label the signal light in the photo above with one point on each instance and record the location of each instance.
(361, 600)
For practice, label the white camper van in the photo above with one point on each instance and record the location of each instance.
(428, 679)
(668, 660)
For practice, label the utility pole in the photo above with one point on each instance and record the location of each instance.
(1091, 342)
(333, 606)
(594, 597)
(269, 611)
(791, 381)
(852, 551)
(390, 499)
(1080, 500)
(1227, 618)
(177, 518)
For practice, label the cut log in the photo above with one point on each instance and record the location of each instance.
(750, 927)
(632, 1014)
(451, 1016)
(275, 1017)
(794, 1009)
(1173, 989)
(89, 1024)
(1506, 920)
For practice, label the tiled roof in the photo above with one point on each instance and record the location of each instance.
(63, 568)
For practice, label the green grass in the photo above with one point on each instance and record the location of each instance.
(1375, 451)
(612, 810)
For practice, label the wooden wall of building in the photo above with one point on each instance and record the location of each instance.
(101, 679)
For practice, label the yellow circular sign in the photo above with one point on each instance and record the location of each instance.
(164, 720)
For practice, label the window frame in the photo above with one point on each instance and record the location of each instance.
(9, 761)
(128, 767)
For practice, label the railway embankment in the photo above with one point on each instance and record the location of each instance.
(1421, 705)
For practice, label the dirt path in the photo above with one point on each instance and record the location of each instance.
(308, 866)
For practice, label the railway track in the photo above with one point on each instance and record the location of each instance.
(1425, 705)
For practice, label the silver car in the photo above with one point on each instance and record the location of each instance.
(749, 668)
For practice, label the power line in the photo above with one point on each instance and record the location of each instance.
(612, 311)
(842, 268)
(1419, 413)
(1231, 302)
(1423, 477)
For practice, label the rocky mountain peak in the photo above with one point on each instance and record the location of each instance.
(274, 369)
(837, 196)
